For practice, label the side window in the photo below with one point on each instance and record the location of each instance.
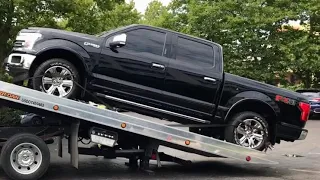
(144, 40)
(194, 52)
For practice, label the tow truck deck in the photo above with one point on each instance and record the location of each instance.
(152, 134)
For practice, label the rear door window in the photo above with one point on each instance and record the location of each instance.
(194, 52)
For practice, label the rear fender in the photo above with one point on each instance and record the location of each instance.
(251, 96)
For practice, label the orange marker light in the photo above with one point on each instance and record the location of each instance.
(56, 107)
(187, 142)
(123, 125)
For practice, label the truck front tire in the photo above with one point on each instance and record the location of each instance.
(58, 77)
(248, 129)
(25, 157)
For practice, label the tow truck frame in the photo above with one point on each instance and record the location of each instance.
(110, 125)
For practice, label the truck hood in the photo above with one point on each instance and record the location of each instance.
(63, 34)
(249, 84)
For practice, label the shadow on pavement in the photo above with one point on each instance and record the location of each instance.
(115, 169)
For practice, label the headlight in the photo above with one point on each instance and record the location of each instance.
(28, 40)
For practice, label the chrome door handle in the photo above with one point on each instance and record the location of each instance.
(158, 66)
(209, 79)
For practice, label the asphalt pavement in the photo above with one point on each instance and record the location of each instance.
(297, 160)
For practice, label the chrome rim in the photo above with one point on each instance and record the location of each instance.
(57, 81)
(26, 158)
(250, 133)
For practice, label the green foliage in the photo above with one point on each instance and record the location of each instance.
(121, 15)
(156, 14)
(250, 31)
(8, 116)
(299, 48)
(96, 16)
(293, 87)
(86, 16)
(256, 41)
(4, 77)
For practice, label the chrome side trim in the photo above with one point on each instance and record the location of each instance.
(152, 108)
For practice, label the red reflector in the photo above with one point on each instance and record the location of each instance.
(154, 157)
(305, 110)
(248, 158)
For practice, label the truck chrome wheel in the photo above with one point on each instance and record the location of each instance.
(250, 133)
(26, 158)
(57, 80)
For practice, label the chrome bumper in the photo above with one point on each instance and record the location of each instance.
(23, 61)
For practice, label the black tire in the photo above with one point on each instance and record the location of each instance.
(9, 147)
(230, 131)
(39, 73)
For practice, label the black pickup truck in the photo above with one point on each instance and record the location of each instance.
(161, 73)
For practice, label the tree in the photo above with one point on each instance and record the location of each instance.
(87, 16)
(121, 15)
(95, 16)
(249, 33)
(18, 14)
(6, 18)
(156, 14)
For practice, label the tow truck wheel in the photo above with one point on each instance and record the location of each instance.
(248, 129)
(25, 156)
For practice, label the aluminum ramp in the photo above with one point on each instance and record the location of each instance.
(167, 136)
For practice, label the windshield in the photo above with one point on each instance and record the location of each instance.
(105, 33)
(101, 34)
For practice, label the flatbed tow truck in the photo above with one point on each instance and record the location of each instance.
(25, 154)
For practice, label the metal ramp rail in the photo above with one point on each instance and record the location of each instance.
(167, 136)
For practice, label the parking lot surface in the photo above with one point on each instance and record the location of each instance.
(298, 160)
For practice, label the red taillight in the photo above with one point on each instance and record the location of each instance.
(316, 99)
(305, 110)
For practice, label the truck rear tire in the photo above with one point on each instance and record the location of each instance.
(25, 156)
(58, 77)
(248, 129)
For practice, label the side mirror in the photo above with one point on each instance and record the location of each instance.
(118, 41)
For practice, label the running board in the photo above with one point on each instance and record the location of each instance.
(153, 108)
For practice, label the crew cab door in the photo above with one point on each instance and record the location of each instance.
(193, 76)
(135, 70)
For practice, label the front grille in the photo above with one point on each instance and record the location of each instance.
(18, 43)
